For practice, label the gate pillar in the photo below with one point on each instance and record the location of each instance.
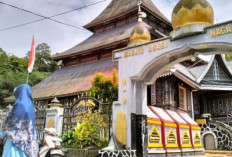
(133, 105)
(54, 116)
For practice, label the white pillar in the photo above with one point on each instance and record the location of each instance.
(54, 118)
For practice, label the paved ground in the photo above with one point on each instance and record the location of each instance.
(210, 155)
(214, 153)
(218, 155)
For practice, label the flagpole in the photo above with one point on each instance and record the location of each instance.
(27, 77)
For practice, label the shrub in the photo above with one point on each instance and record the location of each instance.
(68, 139)
(91, 131)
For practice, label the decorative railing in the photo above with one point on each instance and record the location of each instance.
(222, 132)
(40, 120)
(226, 120)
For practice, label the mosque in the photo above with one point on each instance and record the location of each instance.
(175, 85)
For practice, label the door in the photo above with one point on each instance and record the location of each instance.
(209, 142)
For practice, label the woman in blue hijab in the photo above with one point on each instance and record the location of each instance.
(19, 127)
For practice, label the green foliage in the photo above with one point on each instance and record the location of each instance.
(43, 59)
(92, 129)
(68, 139)
(12, 73)
(43, 62)
(13, 70)
(90, 132)
(228, 57)
(105, 88)
(36, 77)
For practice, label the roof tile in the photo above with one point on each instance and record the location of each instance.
(70, 80)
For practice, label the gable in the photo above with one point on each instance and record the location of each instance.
(217, 73)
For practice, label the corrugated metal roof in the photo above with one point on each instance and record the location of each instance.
(96, 41)
(70, 80)
(185, 71)
(197, 71)
(118, 8)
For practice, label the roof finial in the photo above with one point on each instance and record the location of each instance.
(141, 14)
(139, 4)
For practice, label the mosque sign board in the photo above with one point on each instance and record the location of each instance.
(221, 30)
(214, 34)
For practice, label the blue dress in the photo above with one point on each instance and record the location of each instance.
(10, 150)
(19, 126)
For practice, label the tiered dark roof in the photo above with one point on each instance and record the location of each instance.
(119, 8)
(114, 12)
(98, 41)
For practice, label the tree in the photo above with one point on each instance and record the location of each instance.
(43, 60)
(13, 70)
(12, 73)
(105, 87)
(43, 66)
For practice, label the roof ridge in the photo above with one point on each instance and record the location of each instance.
(117, 8)
(97, 40)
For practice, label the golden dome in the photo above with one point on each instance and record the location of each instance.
(140, 33)
(188, 12)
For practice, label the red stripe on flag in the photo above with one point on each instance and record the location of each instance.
(31, 56)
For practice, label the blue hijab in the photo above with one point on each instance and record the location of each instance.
(20, 124)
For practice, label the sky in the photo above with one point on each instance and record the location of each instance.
(17, 41)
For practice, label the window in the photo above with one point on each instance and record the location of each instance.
(189, 100)
(149, 95)
(216, 107)
(182, 98)
(211, 106)
(220, 105)
(229, 104)
(215, 70)
(224, 106)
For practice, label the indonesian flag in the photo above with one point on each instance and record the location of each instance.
(31, 60)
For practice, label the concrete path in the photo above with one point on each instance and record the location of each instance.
(210, 155)
(214, 153)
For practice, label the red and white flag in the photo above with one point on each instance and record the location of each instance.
(31, 60)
